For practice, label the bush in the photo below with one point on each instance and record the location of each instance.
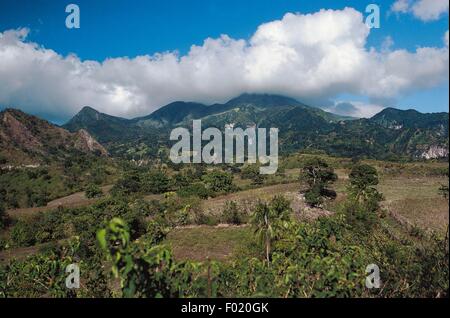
(232, 214)
(252, 172)
(197, 189)
(201, 218)
(2, 215)
(93, 191)
(181, 180)
(219, 181)
(127, 185)
(22, 234)
(155, 182)
(37, 198)
(157, 231)
(358, 216)
(313, 196)
(3, 244)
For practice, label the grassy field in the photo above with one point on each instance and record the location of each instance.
(418, 200)
(213, 242)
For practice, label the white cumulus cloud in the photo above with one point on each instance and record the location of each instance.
(306, 56)
(425, 10)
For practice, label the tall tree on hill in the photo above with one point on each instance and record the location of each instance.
(318, 175)
(363, 179)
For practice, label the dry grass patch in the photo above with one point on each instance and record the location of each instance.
(426, 213)
(214, 242)
(418, 200)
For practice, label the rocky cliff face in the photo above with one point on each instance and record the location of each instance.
(435, 152)
(86, 143)
(26, 139)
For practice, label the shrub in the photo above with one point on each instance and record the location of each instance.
(252, 172)
(155, 182)
(232, 214)
(2, 215)
(181, 180)
(22, 234)
(93, 191)
(201, 218)
(130, 183)
(313, 196)
(443, 190)
(157, 231)
(358, 216)
(219, 181)
(196, 189)
(37, 198)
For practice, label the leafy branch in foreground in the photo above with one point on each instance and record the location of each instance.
(145, 270)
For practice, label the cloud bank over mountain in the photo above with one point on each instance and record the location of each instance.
(307, 56)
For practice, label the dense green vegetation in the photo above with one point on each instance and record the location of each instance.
(120, 243)
(29, 187)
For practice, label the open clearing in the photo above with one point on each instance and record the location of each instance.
(23, 252)
(213, 242)
(74, 200)
(418, 200)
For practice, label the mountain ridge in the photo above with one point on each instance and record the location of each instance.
(171, 113)
(26, 138)
(390, 134)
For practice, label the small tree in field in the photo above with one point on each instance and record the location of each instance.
(363, 179)
(232, 214)
(318, 175)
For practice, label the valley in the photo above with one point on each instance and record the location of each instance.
(101, 191)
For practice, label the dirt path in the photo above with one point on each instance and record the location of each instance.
(21, 253)
(74, 200)
(246, 200)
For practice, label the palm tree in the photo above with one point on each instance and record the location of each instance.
(266, 220)
(263, 227)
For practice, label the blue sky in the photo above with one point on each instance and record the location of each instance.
(115, 29)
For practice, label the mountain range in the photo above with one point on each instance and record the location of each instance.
(390, 134)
